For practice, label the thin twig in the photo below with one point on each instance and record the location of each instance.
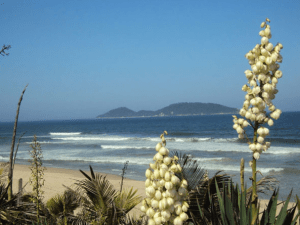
(123, 174)
(10, 172)
(15, 156)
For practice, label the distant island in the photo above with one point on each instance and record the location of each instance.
(178, 109)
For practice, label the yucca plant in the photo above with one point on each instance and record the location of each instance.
(203, 199)
(62, 207)
(235, 209)
(202, 192)
(101, 203)
(11, 212)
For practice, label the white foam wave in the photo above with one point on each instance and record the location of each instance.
(92, 138)
(45, 142)
(124, 147)
(237, 168)
(283, 150)
(64, 133)
(209, 159)
(4, 158)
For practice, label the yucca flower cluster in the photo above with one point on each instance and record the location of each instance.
(165, 191)
(261, 90)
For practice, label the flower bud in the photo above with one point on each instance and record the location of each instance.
(184, 216)
(154, 203)
(167, 176)
(151, 222)
(167, 160)
(158, 195)
(252, 147)
(263, 24)
(269, 47)
(158, 157)
(270, 122)
(169, 185)
(260, 139)
(266, 131)
(242, 112)
(178, 221)
(150, 212)
(248, 115)
(158, 220)
(278, 74)
(148, 182)
(178, 210)
(156, 174)
(163, 204)
(256, 155)
(166, 214)
(264, 52)
(164, 151)
(264, 40)
(269, 61)
(148, 173)
(158, 146)
(175, 180)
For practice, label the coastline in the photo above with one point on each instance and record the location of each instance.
(57, 178)
(177, 115)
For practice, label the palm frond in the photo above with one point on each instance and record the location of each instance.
(204, 196)
(63, 204)
(126, 200)
(191, 170)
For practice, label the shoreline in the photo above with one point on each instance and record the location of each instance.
(57, 178)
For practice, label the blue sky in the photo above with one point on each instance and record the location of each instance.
(84, 58)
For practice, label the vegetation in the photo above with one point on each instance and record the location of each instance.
(178, 190)
(37, 175)
(13, 152)
(4, 49)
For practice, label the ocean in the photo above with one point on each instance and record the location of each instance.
(106, 144)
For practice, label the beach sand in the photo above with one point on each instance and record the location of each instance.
(57, 178)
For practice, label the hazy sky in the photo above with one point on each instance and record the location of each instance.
(84, 58)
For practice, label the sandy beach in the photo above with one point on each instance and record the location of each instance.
(56, 179)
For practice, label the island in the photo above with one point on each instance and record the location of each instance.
(178, 109)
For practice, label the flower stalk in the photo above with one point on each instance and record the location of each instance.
(166, 191)
(258, 108)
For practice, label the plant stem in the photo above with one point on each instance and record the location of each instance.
(242, 169)
(11, 157)
(254, 189)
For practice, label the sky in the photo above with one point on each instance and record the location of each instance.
(84, 58)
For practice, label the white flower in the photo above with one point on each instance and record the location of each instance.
(278, 74)
(270, 122)
(269, 47)
(256, 155)
(260, 139)
(158, 146)
(264, 40)
(252, 147)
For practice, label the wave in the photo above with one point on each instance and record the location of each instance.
(4, 158)
(92, 138)
(45, 142)
(64, 133)
(124, 147)
(210, 159)
(118, 160)
(222, 167)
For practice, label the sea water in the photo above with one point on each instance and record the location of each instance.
(106, 144)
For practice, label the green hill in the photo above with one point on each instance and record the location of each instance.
(178, 109)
